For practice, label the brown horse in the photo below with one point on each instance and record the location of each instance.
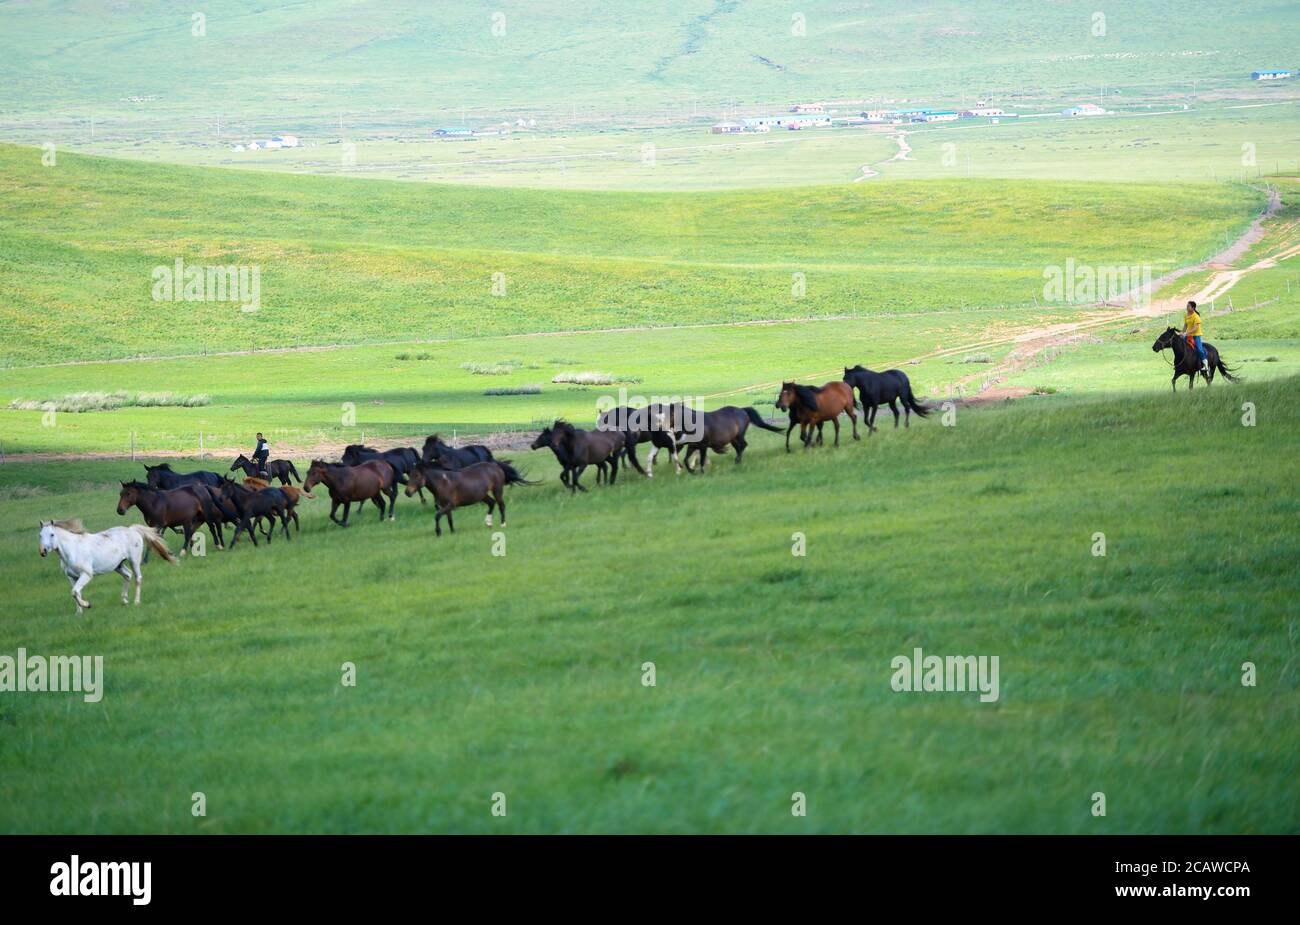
(585, 448)
(812, 406)
(368, 481)
(453, 488)
(292, 495)
(161, 508)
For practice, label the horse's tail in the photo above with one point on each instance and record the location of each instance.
(910, 400)
(513, 476)
(1223, 369)
(152, 540)
(292, 471)
(756, 419)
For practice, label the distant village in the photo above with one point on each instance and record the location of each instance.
(274, 143)
(817, 115)
(800, 116)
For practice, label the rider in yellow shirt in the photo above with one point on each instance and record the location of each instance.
(1192, 331)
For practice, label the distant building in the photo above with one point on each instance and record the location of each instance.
(767, 123)
(255, 146)
(938, 115)
(453, 134)
(1085, 109)
(287, 141)
(979, 112)
(808, 107)
(272, 145)
(728, 128)
(1270, 75)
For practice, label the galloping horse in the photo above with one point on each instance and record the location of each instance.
(587, 448)
(162, 508)
(876, 389)
(117, 549)
(368, 481)
(254, 507)
(442, 454)
(162, 476)
(549, 438)
(281, 469)
(814, 405)
(453, 488)
(642, 425)
(292, 495)
(403, 459)
(1187, 363)
(701, 431)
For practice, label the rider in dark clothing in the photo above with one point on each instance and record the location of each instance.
(261, 454)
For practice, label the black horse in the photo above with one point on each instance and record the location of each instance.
(403, 459)
(650, 424)
(437, 453)
(162, 476)
(701, 431)
(1188, 363)
(876, 389)
(253, 506)
(281, 469)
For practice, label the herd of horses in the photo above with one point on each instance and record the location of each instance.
(457, 477)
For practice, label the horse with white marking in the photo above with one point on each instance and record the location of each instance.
(118, 549)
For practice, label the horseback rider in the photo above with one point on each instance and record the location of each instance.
(261, 454)
(1192, 331)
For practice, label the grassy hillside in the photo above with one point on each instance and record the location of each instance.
(478, 674)
(342, 261)
(406, 60)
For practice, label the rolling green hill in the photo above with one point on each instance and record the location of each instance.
(408, 60)
(344, 261)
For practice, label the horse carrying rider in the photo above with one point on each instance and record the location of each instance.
(1192, 331)
(261, 455)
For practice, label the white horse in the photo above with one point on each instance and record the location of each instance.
(118, 549)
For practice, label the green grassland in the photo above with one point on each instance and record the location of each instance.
(406, 61)
(348, 262)
(522, 675)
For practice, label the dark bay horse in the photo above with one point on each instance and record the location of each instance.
(162, 476)
(403, 459)
(650, 424)
(701, 431)
(281, 469)
(1186, 361)
(438, 453)
(814, 405)
(254, 507)
(587, 448)
(182, 508)
(876, 389)
(549, 439)
(368, 481)
(453, 488)
(292, 496)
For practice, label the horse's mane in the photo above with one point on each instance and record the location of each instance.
(166, 466)
(137, 484)
(72, 525)
(859, 368)
(563, 426)
(807, 394)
